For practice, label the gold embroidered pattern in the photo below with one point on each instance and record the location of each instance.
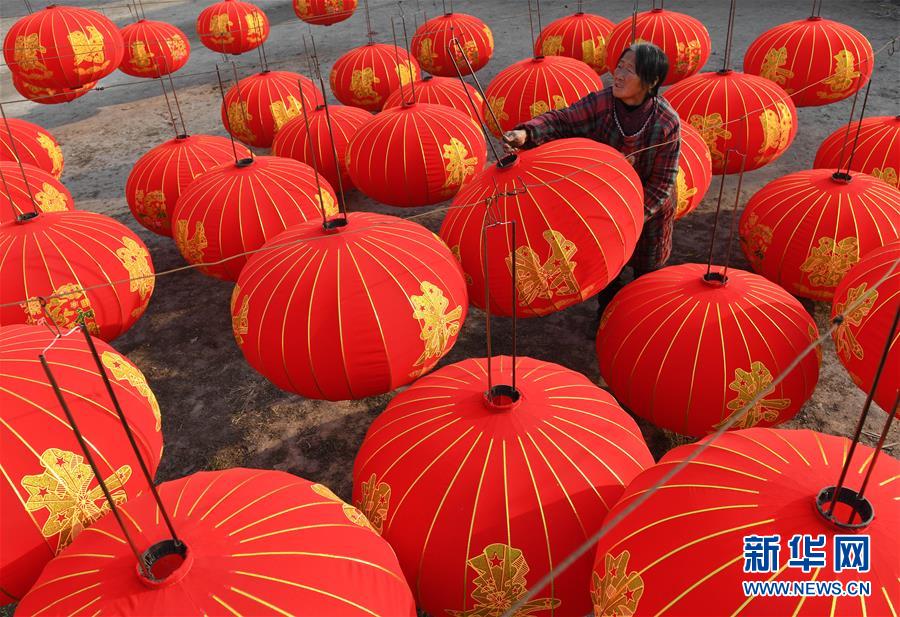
(374, 502)
(757, 238)
(593, 52)
(122, 369)
(326, 202)
(427, 56)
(302, 7)
(687, 58)
(556, 276)
(845, 341)
(748, 384)
(540, 107)
(813, 336)
(53, 151)
(177, 47)
(888, 174)
(220, 28)
(49, 199)
(438, 326)
(406, 72)
(552, 45)
(470, 49)
(63, 490)
(501, 583)
(618, 591)
(25, 55)
(284, 110)
(239, 121)
(88, 48)
(191, 248)
(136, 260)
(256, 27)
(141, 57)
(776, 125)
(712, 128)
(842, 77)
(67, 308)
(151, 208)
(827, 264)
(683, 193)
(772, 66)
(361, 85)
(239, 323)
(458, 256)
(496, 103)
(459, 164)
(353, 515)
(489, 36)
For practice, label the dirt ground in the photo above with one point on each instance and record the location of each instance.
(217, 411)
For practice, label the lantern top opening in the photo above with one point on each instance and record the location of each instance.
(656, 9)
(724, 72)
(428, 78)
(24, 217)
(502, 398)
(849, 506)
(182, 136)
(841, 177)
(715, 279)
(165, 563)
(335, 223)
(507, 161)
(244, 162)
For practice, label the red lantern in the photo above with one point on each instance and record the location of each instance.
(861, 337)
(351, 311)
(736, 110)
(257, 543)
(694, 171)
(293, 141)
(50, 494)
(431, 40)
(63, 47)
(416, 155)
(481, 496)
(441, 91)
(683, 39)
(747, 486)
(237, 207)
(686, 352)
(153, 48)
(47, 95)
(159, 176)
(531, 87)
(577, 225)
(38, 191)
(804, 230)
(817, 61)
(877, 152)
(32, 144)
(581, 36)
(232, 27)
(324, 12)
(365, 76)
(92, 269)
(259, 105)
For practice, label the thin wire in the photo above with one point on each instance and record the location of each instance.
(862, 114)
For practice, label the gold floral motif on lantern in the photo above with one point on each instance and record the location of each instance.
(361, 85)
(63, 489)
(151, 206)
(813, 337)
(842, 77)
(238, 121)
(541, 107)
(683, 193)
(776, 125)
(459, 164)
(756, 238)
(325, 202)
(176, 47)
(53, 151)
(489, 36)
(353, 515)
(470, 49)
(255, 26)
(136, 260)
(497, 104)
(427, 55)
(827, 264)
(438, 325)
(334, 6)
(711, 128)
(748, 385)
(284, 110)
(500, 583)
(240, 325)
(123, 370)
(687, 58)
(25, 56)
(458, 256)
(374, 501)
(888, 174)
(845, 341)
(141, 57)
(88, 49)
(49, 199)
(593, 52)
(302, 7)
(68, 307)
(773, 66)
(555, 276)
(191, 247)
(220, 26)
(618, 591)
(406, 72)
(552, 45)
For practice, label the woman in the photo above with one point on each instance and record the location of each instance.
(631, 117)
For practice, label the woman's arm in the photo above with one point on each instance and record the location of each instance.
(659, 186)
(578, 120)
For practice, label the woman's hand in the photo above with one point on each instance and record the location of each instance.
(513, 140)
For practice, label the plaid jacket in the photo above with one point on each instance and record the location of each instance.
(592, 117)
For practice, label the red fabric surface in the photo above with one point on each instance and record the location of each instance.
(49, 95)
(46, 504)
(581, 36)
(681, 551)
(440, 91)
(817, 61)
(430, 42)
(365, 76)
(232, 27)
(805, 230)
(752, 115)
(877, 151)
(456, 485)
(324, 12)
(153, 48)
(32, 144)
(686, 354)
(17, 192)
(574, 234)
(416, 155)
(352, 312)
(159, 176)
(231, 209)
(259, 543)
(694, 171)
(73, 256)
(63, 47)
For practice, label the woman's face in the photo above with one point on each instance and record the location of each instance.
(626, 83)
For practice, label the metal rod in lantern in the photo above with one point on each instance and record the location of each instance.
(315, 158)
(891, 413)
(862, 114)
(177, 104)
(227, 119)
(531, 24)
(369, 32)
(407, 65)
(455, 42)
(539, 20)
(166, 97)
(734, 211)
(729, 38)
(847, 132)
(580, 7)
(20, 218)
(712, 239)
(634, 14)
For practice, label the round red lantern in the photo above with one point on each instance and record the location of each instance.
(324, 12)
(21, 140)
(877, 152)
(735, 110)
(365, 76)
(694, 171)
(50, 494)
(577, 226)
(232, 27)
(806, 229)
(531, 87)
(683, 39)
(255, 542)
(481, 495)
(861, 338)
(817, 61)
(237, 207)
(93, 271)
(63, 47)
(441, 91)
(319, 145)
(159, 176)
(431, 40)
(687, 351)
(349, 311)
(744, 504)
(416, 155)
(153, 48)
(36, 191)
(259, 105)
(581, 36)
(49, 95)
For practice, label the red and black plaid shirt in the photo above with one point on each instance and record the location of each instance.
(592, 117)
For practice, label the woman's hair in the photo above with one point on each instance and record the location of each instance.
(650, 64)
